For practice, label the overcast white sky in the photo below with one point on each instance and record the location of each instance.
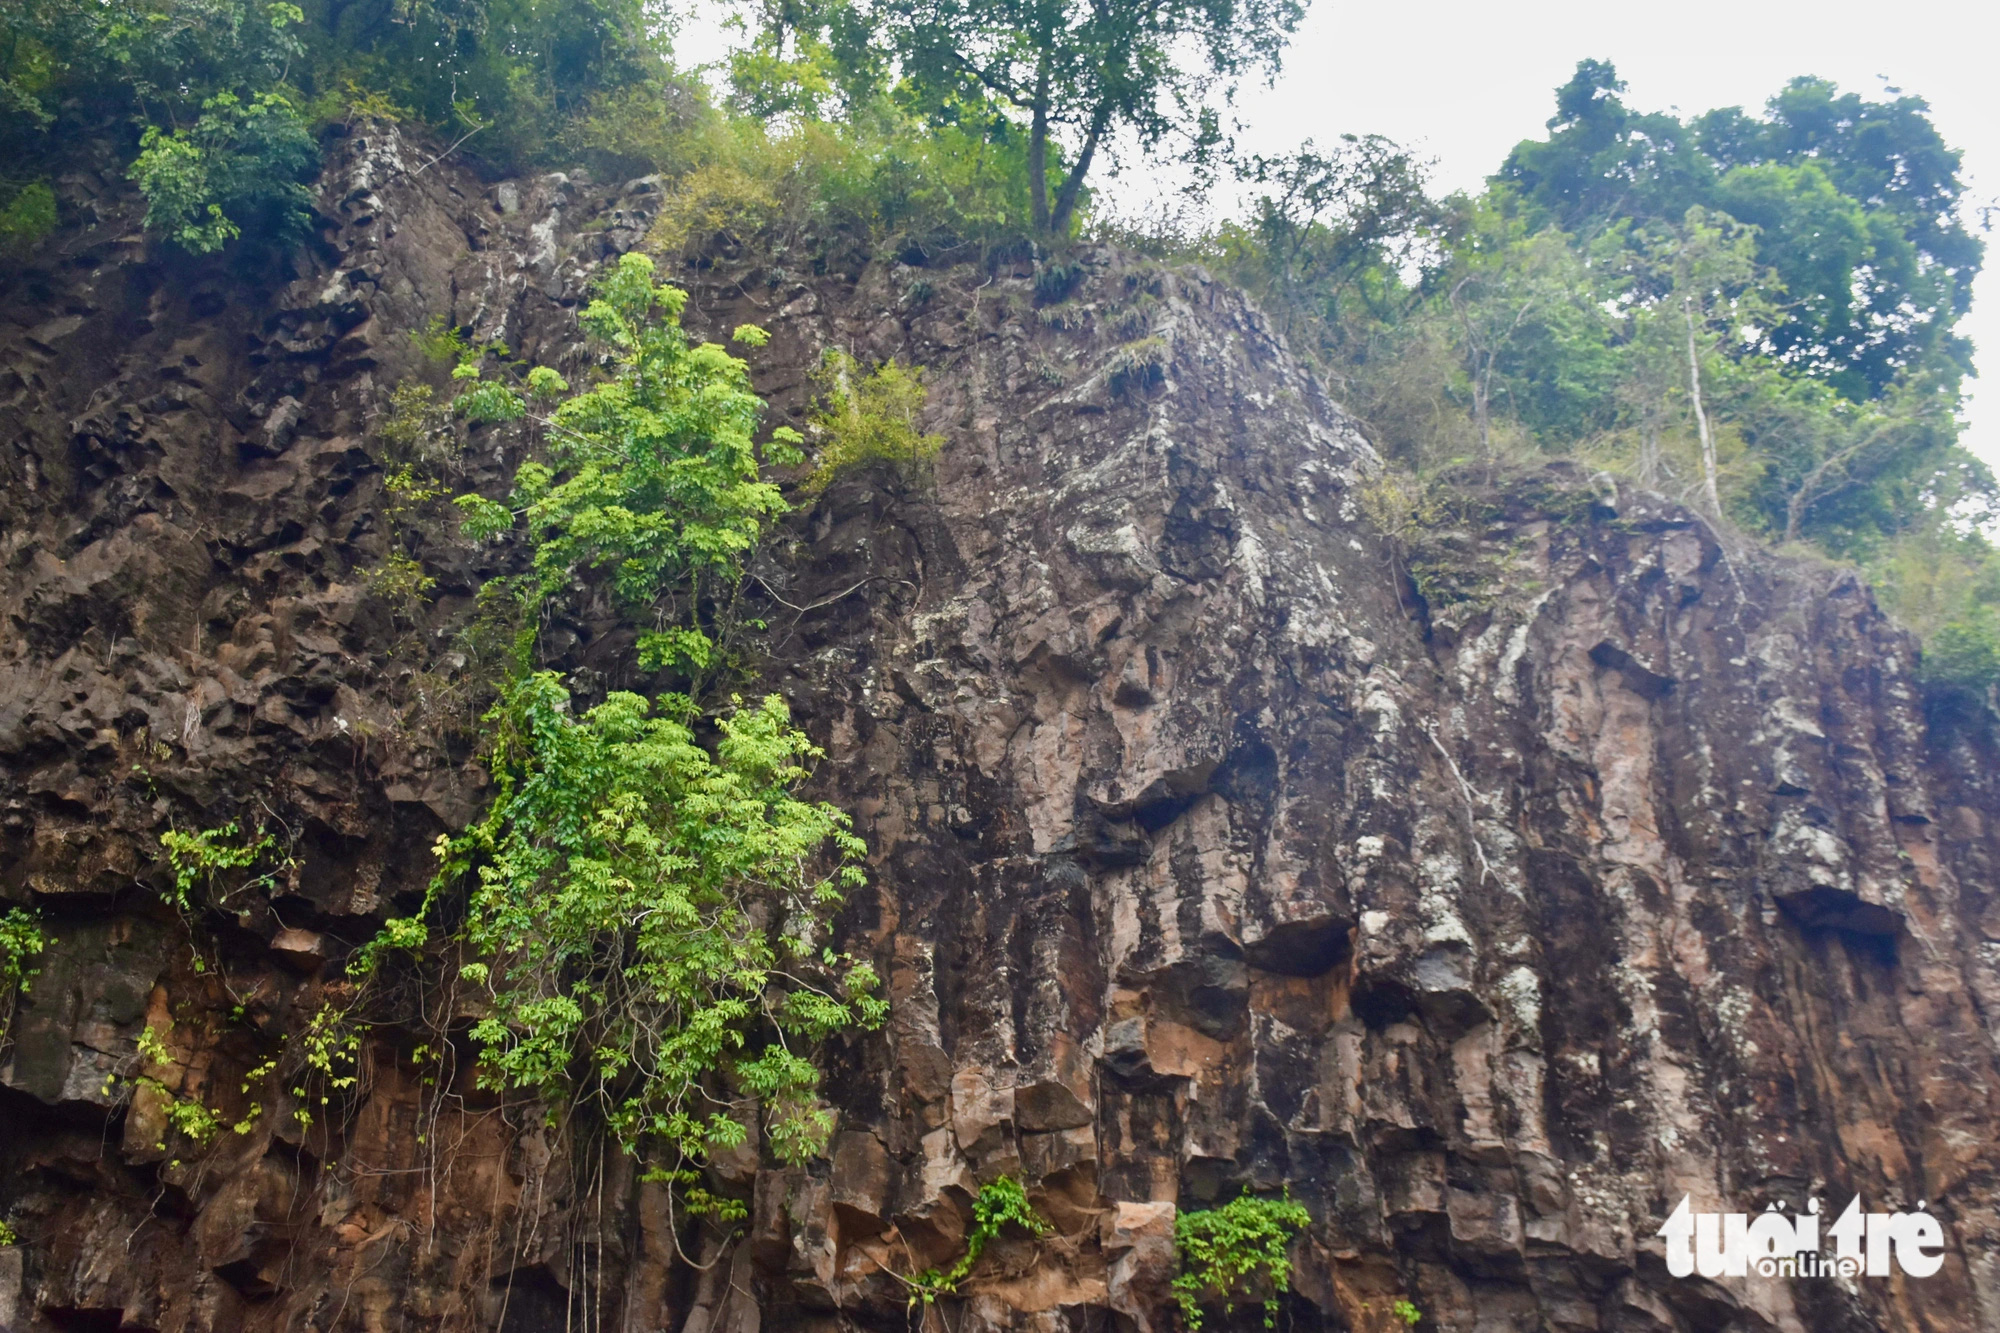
(1463, 82)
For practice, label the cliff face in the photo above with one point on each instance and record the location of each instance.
(1489, 877)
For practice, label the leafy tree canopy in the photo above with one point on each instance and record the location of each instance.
(1760, 309)
(218, 99)
(647, 912)
(1085, 67)
(1856, 205)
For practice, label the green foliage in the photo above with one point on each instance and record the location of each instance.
(1234, 1252)
(204, 864)
(186, 1116)
(881, 175)
(1407, 1311)
(409, 487)
(1963, 655)
(1527, 327)
(416, 429)
(241, 159)
(8, 1236)
(200, 860)
(868, 417)
(1943, 580)
(791, 66)
(1137, 365)
(652, 474)
(190, 1118)
(657, 124)
(21, 940)
(452, 670)
(698, 1201)
(1855, 205)
(1056, 278)
(1434, 528)
(1331, 234)
(330, 1046)
(481, 401)
(440, 341)
(1001, 1202)
(223, 95)
(1095, 70)
(1753, 313)
(27, 216)
(517, 76)
(221, 149)
(76, 64)
(650, 915)
(401, 583)
(489, 403)
(815, 140)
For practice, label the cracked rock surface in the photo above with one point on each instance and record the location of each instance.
(1489, 886)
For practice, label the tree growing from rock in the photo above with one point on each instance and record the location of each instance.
(1088, 69)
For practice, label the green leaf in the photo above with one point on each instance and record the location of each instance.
(489, 401)
(1230, 1252)
(483, 518)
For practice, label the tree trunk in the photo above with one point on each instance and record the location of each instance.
(1700, 416)
(1479, 387)
(1472, 352)
(1038, 153)
(1072, 187)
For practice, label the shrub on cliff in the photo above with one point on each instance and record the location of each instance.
(21, 940)
(651, 478)
(238, 165)
(1236, 1252)
(28, 215)
(871, 417)
(647, 904)
(642, 907)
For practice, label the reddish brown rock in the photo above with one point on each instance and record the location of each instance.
(1205, 852)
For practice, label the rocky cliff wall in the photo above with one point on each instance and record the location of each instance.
(1489, 878)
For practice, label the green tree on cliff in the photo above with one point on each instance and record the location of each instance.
(1856, 206)
(1086, 68)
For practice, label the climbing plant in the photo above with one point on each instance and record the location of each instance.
(193, 1123)
(21, 939)
(1230, 1253)
(1000, 1202)
(200, 858)
(186, 1116)
(647, 913)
